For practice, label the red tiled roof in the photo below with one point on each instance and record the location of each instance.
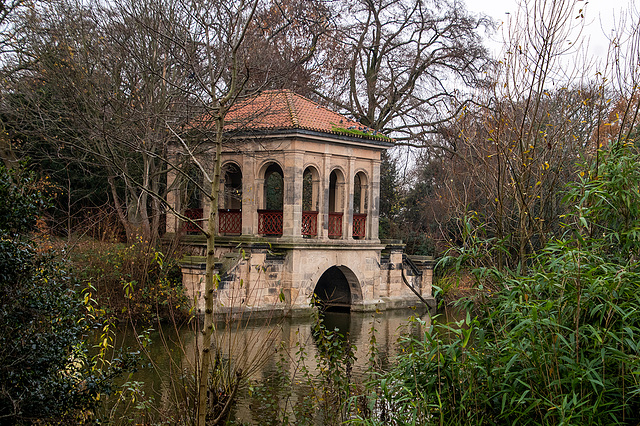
(283, 109)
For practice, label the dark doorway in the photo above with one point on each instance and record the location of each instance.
(232, 186)
(333, 291)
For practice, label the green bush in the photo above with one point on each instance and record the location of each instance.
(558, 344)
(45, 373)
(133, 282)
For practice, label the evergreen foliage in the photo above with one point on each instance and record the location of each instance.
(390, 200)
(45, 372)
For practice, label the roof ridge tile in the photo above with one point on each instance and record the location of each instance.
(292, 108)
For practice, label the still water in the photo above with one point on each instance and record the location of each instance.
(258, 348)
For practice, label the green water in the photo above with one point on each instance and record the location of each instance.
(260, 348)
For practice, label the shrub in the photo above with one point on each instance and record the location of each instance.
(45, 373)
(133, 282)
(559, 344)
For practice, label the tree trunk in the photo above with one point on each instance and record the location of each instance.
(211, 279)
(120, 209)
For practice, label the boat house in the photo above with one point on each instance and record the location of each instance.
(298, 215)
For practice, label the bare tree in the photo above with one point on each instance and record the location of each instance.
(283, 41)
(110, 82)
(623, 71)
(519, 146)
(220, 56)
(400, 64)
(9, 30)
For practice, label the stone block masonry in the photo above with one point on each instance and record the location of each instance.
(258, 278)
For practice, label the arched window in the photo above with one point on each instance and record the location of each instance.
(310, 183)
(359, 205)
(193, 199)
(230, 211)
(273, 188)
(270, 218)
(336, 203)
(232, 187)
(193, 193)
(360, 201)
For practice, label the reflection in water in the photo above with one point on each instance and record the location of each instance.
(341, 322)
(260, 348)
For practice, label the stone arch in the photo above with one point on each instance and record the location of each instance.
(312, 164)
(266, 164)
(338, 287)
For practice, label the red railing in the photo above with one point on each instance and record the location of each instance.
(230, 221)
(310, 223)
(359, 222)
(270, 222)
(195, 215)
(335, 225)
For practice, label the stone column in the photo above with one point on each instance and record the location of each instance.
(292, 205)
(259, 203)
(373, 215)
(249, 196)
(316, 194)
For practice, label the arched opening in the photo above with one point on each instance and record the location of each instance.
(192, 201)
(337, 289)
(310, 184)
(230, 212)
(360, 200)
(270, 217)
(193, 193)
(336, 203)
(359, 205)
(273, 187)
(231, 186)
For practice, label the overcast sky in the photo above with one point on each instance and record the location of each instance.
(599, 19)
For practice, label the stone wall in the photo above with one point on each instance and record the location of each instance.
(262, 277)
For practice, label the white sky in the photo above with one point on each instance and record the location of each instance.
(599, 19)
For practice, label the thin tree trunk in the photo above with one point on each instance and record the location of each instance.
(155, 208)
(211, 279)
(119, 209)
(144, 198)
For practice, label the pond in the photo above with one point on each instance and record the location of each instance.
(266, 351)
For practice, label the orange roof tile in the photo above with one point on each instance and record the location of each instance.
(283, 109)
